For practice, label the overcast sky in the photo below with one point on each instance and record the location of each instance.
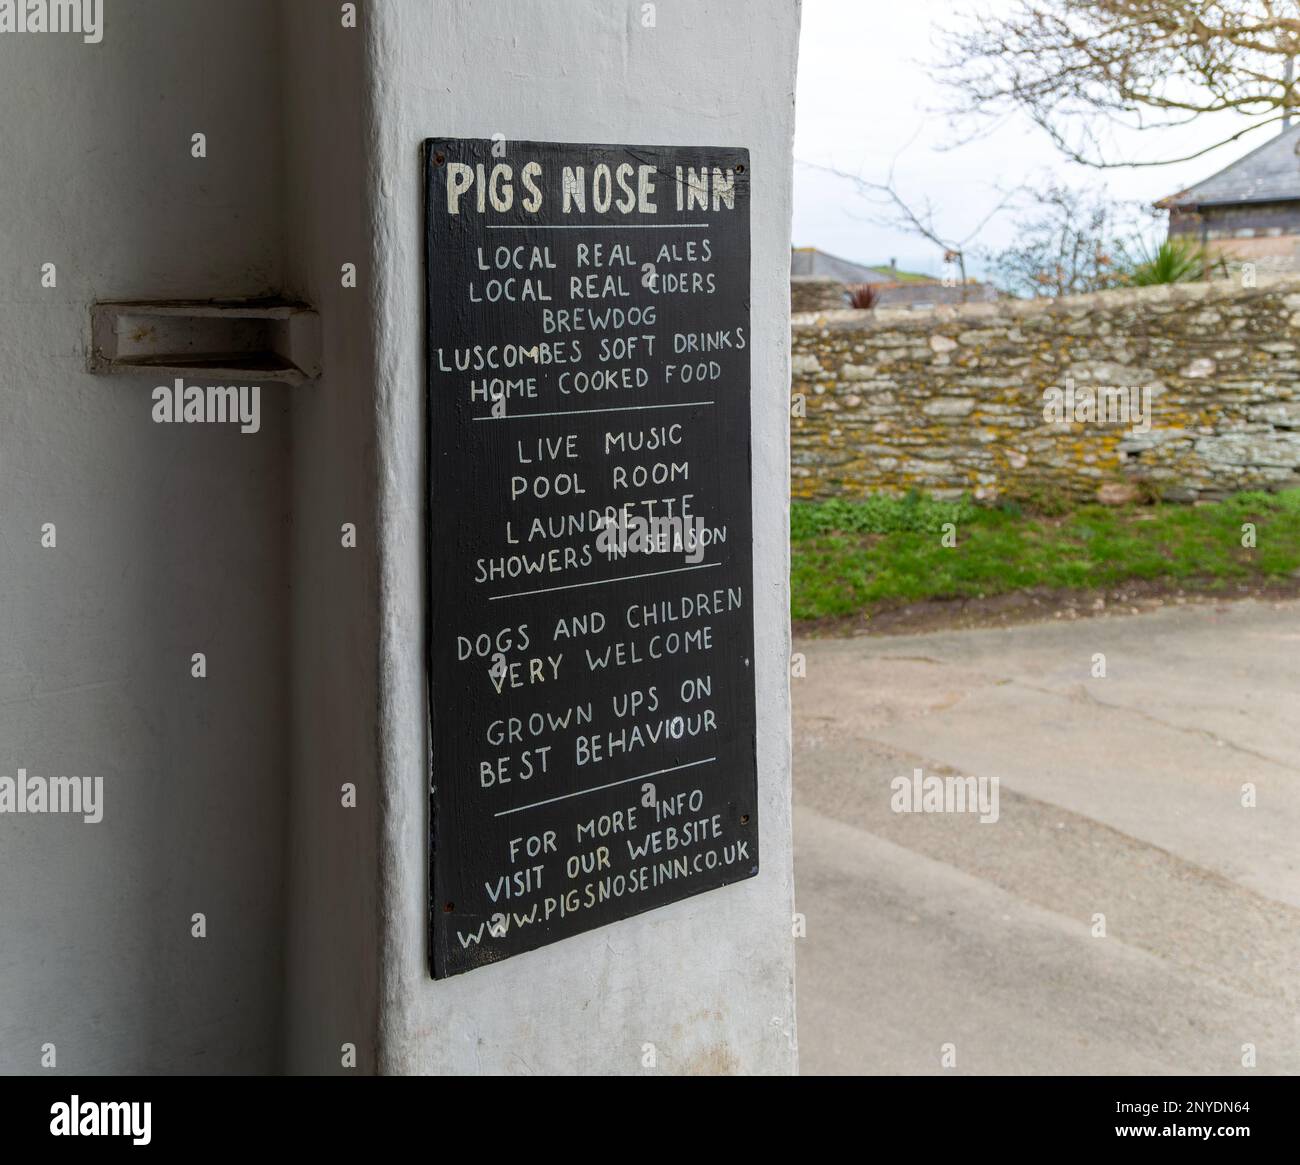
(864, 92)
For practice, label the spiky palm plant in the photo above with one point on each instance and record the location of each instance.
(1174, 261)
(864, 296)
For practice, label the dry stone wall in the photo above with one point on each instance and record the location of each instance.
(1197, 387)
(808, 293)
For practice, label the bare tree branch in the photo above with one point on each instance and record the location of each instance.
(1072, 65)
(917, 218)
(1069, 242)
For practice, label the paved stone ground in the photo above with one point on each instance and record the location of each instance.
(1118, 795)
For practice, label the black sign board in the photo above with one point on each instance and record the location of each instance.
(590, 559)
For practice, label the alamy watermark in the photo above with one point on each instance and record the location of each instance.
(1099, 404)
(634, 534)
(75, 1117)
(85, 17)
(32, 794)
(932, 794)
(215, 404)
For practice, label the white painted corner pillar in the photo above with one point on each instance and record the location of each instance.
(709, 981)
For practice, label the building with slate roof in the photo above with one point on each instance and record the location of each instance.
(1248, 211)
(820, 281)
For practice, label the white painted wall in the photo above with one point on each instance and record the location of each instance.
(334, 895)
(170, 540)
(708, 980)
